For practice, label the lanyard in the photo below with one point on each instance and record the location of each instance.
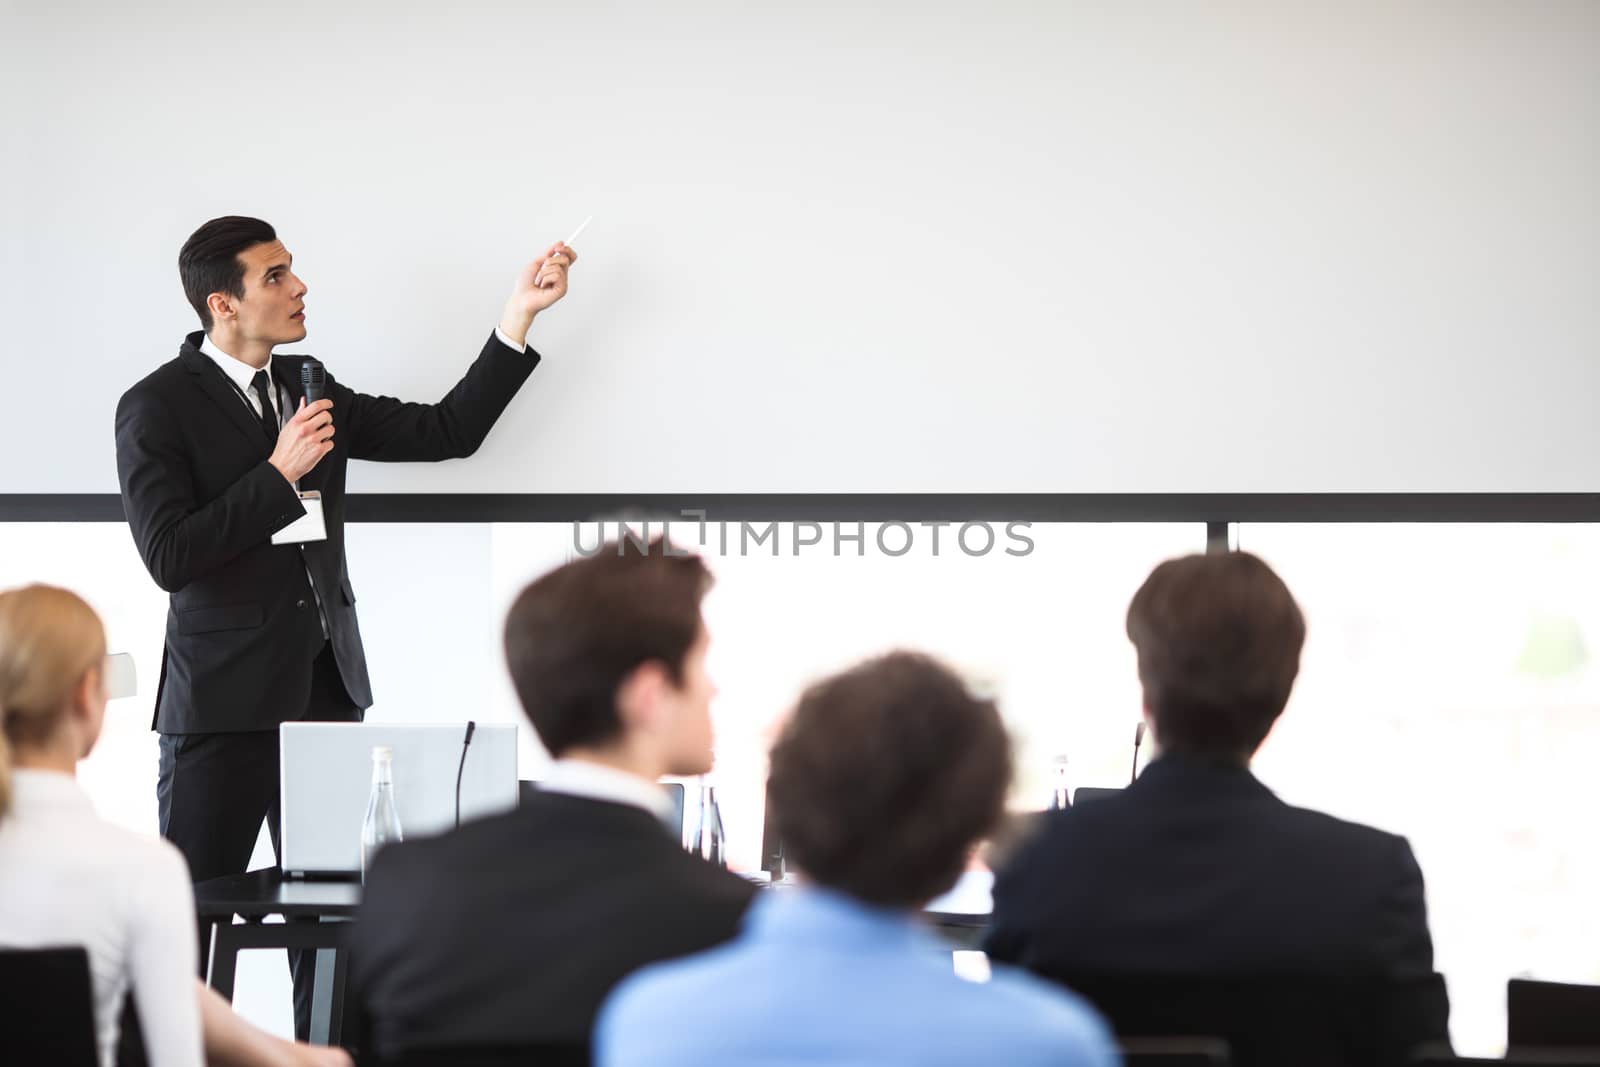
(276, 412)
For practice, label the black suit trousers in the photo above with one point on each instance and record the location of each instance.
(214, 790)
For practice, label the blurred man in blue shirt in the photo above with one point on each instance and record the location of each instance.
(881, 784)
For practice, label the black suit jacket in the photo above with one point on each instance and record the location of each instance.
(512, 930)
(1197, 868)
(203, 502)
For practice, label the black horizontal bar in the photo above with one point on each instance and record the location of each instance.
(61, 507)
(887, 507)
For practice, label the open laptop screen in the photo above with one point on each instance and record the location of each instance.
(325, 771)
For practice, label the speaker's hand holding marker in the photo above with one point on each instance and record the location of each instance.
(540, 284)
(543, 279)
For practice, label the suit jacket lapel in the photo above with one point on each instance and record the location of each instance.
(212, 382)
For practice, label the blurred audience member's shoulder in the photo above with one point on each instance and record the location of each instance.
(1046, 1023)
(692, 875)
(1330, 831)
(645, 1011)
(1336, 826)
(1387, 859)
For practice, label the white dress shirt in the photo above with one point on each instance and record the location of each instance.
(69, 878)
(580, 778)
(509, 343)
(242, 375)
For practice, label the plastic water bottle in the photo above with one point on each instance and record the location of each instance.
(1060, 798)
(709, 842)
(382, 824)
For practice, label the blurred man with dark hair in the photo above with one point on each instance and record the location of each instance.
(220, 456)
(1197, 868)
(882, 783)
(511, 930)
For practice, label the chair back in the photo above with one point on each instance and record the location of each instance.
(1541, 1015)
(542, 1054)
(1268, 1021)
(1562, 1058)
(49, 998)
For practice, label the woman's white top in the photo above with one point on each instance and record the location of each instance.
(67, 877)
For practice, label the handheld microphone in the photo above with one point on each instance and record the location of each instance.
(1138, 739)
(313, 380)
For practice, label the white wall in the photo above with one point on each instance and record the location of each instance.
(840, 247)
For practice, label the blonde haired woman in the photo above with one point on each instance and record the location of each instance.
(69, 878)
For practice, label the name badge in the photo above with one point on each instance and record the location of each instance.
(308, 527)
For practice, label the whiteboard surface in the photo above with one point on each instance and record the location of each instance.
(1111, 247)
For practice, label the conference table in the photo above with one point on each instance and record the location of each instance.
(317, 913)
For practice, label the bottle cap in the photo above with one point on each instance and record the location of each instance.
(382, 752)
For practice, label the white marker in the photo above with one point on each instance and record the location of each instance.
(539, 281)
(575, 233)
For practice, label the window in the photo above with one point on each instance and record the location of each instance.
(1449, 692)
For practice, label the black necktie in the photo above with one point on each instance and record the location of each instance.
(269, 419)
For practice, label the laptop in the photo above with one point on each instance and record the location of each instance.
(325, 774)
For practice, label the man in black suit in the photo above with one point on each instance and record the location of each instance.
(511, 931)
(1197, 868)
(217, 452)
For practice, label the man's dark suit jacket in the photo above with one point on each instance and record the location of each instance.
(1197, 868)
(203, 502)
(512, 930)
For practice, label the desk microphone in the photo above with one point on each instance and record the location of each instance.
(465, 741)
(313, 380)
(1138, 739)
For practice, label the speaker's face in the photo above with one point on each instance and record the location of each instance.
(272, 309)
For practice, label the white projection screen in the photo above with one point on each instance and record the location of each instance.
(1006, 247)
